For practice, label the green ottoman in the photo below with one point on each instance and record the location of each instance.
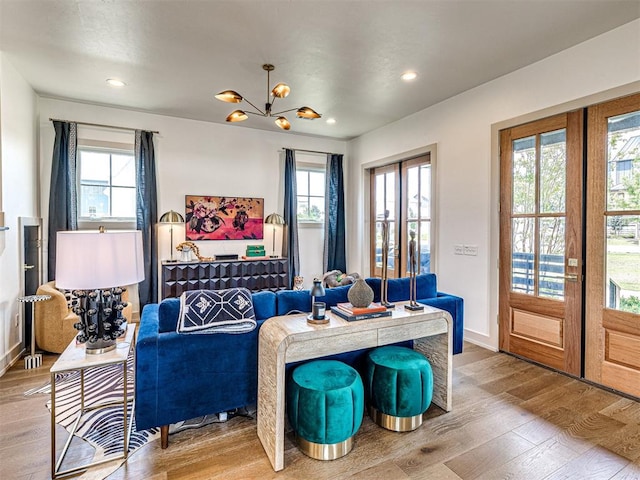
(399, 385)
(325, 406)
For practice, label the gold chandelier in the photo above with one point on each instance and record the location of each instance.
(281, 90)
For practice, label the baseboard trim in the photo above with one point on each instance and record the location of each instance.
(10, 358)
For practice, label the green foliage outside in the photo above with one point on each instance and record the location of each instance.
(630, 304)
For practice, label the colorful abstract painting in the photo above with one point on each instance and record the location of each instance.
(223, 218)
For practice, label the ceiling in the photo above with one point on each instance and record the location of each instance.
(342, 58)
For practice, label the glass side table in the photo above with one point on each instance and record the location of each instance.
(33, 360)
(75, 358)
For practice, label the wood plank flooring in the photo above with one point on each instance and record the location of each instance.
(510, 420)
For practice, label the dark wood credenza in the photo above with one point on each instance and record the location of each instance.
(256, 275)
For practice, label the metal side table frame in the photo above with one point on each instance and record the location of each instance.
(74, 358)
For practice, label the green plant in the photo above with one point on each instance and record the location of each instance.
(630, 304)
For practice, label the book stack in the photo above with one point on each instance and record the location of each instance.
(350, 313)
(255, 251)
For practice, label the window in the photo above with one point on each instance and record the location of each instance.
(106, 185)
(311, 188)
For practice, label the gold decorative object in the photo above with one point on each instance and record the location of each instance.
(194, 248)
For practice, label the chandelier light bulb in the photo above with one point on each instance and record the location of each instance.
(237, 116)
(308, 113)
(229, 96)
(281, 90)
(283, 123)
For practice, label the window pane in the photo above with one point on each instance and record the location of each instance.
(94, 201)
(303, 208)
(522, 264)
(94, 167)
(623, 186)
(553, 171)
(551, 261)
(302, 182)
(316, 184)
(124, 171)
(622, 278)
(524, 175)
(123, 202)
(316, 209)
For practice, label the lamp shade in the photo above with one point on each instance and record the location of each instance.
(274, 219)
(171, 217)
(89, 260)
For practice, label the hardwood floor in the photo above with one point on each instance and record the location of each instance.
(510, 420)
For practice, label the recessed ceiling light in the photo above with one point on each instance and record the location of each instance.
(409, 76)
(331, 121)
(114, 82)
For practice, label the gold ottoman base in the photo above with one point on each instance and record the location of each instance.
(325, 451)
(395, 424)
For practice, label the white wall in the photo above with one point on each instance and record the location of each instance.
(18, 106)
(198, 158)
(464, 129)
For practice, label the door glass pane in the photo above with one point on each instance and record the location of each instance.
(378, 246)
(425, 246)
(380, 197)
(425, 191)
(623, 185)
(622, 276)
(392, 247)
(522, 262)
(390, 181)
(553, 171)
(551, 261)
(413, 193)
(524, 175)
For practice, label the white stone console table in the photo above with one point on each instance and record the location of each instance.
(289, 338)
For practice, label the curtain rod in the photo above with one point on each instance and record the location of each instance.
(308, 151)
(100, 125)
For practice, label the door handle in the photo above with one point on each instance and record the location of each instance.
(571, 278)
(28, 267)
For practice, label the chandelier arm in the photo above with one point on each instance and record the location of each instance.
(255, 113)
(261, 112)
(285, 111)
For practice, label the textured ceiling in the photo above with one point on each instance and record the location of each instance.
(342, 58)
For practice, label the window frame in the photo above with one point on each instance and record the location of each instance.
(113, 148)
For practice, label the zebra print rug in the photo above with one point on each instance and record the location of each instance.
(101, 428)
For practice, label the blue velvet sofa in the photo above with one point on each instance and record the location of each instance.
(180, 376)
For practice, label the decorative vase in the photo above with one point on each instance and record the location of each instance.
(360, 294)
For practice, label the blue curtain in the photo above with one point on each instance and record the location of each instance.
(147, 215)
(334, 225)
(63, 196)
(291, 214)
